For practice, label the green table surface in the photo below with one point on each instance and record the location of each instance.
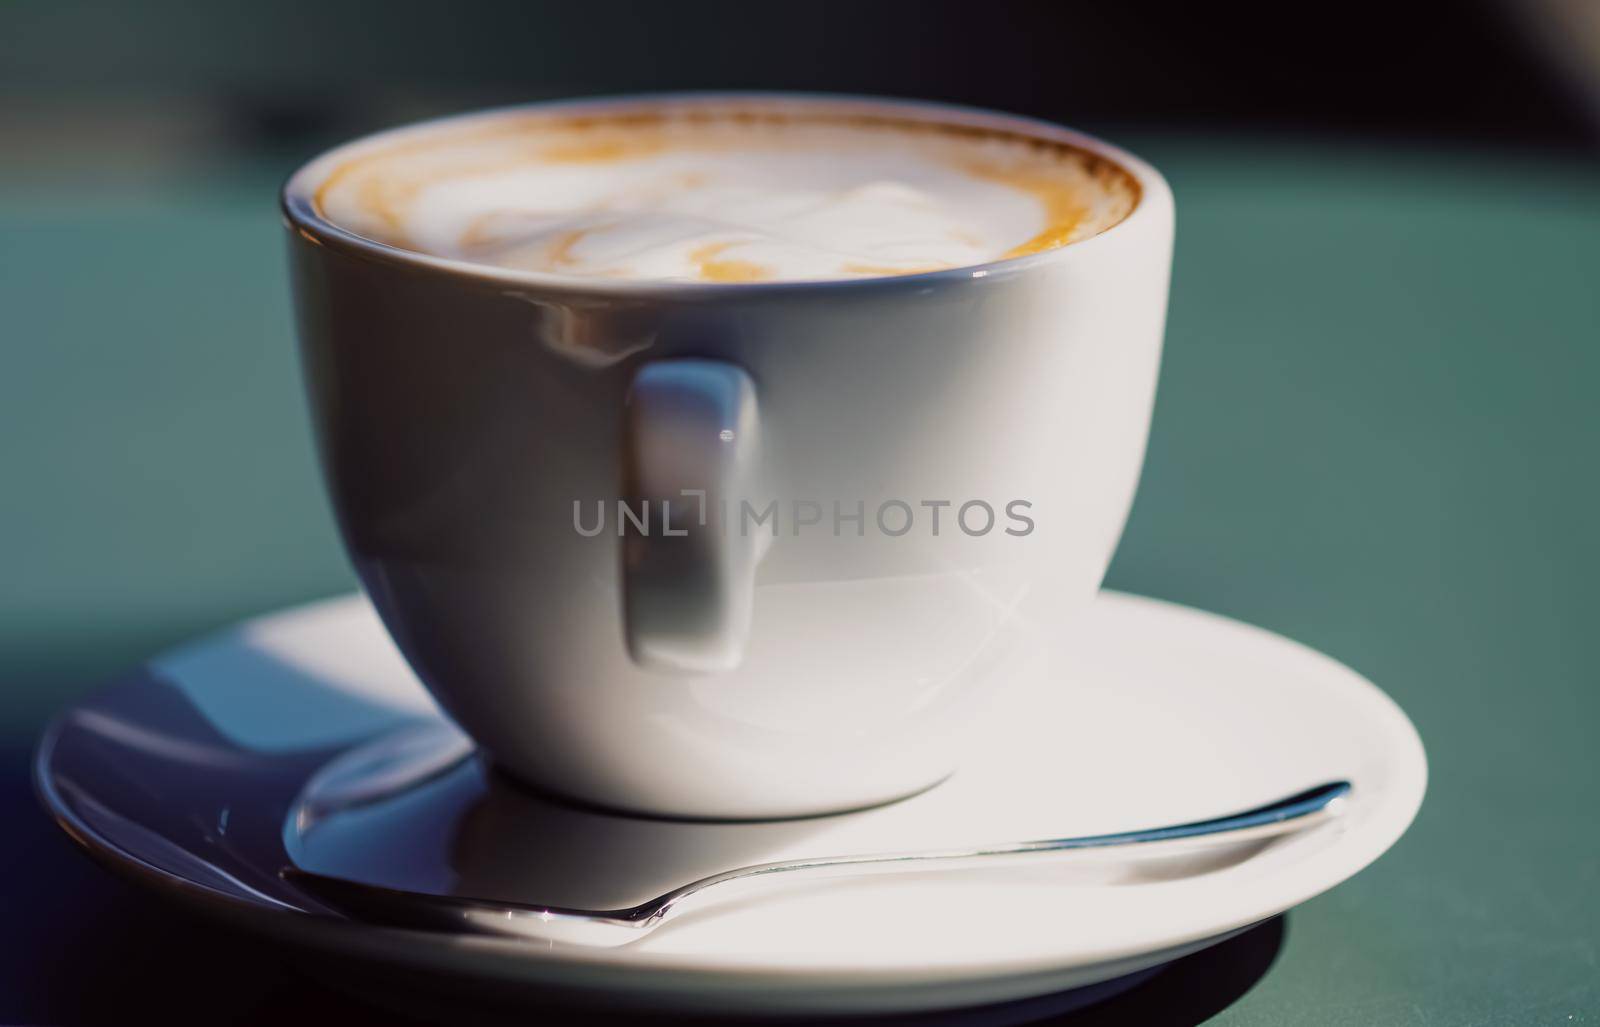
(1376, 433)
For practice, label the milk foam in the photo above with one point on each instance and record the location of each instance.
(727, 196)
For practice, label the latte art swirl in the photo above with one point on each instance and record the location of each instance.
(724, 195)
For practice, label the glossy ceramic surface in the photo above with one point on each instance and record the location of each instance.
(184, 774)
(473, 422)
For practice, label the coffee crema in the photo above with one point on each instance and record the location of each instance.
(718, 194)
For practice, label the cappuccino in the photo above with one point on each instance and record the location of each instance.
(724, 194)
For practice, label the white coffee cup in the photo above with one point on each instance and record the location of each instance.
(479, 427)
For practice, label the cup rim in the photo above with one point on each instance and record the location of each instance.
(297, 197)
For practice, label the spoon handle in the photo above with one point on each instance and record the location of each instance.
(620, 926)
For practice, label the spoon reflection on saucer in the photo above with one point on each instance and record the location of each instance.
(609, 927)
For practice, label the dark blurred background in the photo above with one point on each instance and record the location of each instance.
(163, 81)
(1375, 429)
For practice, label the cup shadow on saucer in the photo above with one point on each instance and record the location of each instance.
(468, 830)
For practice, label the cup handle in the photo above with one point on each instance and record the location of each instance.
(691, 456)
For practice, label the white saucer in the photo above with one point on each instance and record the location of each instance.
(182, 775)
